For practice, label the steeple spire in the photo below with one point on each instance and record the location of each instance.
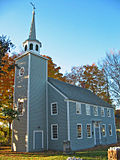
(32, 44)
(32, 35)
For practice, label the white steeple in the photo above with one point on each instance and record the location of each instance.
(32, 44)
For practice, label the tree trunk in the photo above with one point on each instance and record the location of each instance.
(9, 138)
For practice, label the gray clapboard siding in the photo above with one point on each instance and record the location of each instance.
(20, 127)
(37, 108)
(60, 119)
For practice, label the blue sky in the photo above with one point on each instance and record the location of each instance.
(72, 32)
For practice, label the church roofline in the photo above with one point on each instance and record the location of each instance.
(30, 52)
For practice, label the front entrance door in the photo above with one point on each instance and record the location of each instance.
(38, 140)
(97, 133)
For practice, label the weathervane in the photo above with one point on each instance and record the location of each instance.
(33, 6)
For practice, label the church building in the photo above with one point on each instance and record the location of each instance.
(55, 115)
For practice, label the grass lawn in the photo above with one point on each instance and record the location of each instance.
(97, 153)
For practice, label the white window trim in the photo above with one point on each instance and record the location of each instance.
(89, 110)
(34, 138)
(81, 131)
(107, 112)
(90, 130)
(21, 100)
(111, 129)
(101, 112)
(56, 108)
(52, 132)
(79, 106)
(97, 110)
(105, 130)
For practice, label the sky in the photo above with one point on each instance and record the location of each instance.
(72, 32)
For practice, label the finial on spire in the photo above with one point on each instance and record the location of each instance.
(33, 5)
(32, 34)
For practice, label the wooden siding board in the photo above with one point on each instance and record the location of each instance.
(60, 119)
(77, 144)
(21, 92)
(37, 109)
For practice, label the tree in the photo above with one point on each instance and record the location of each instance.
(5, 46)
(53, 70)
(6, 91)
(90, 77)
(111, 67)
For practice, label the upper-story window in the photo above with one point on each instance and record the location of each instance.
(25, 47)
(110, 129)
(102, 112)
(95, 110)
(20, 106)
(54, 108)
(78, 108)
(89, 133)
(108, 112)
(31, 46)
(103, 130)
(54, 131)
(87, 109)
(21, 71)
(36, 47)
(79, 131)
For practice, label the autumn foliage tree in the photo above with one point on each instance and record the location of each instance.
(7, 114)
(54, 70)
(5, 46)
(90, 77)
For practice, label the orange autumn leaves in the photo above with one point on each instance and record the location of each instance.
(90, 77)
(54, 70)
(6, 81)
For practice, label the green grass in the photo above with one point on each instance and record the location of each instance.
(99, 153)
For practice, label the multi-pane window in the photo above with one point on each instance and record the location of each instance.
(95, 110)
(79, 130)
(108, 112)
(54, 131)
(54, 108)
(87, 110)
(78, 108)
(89, 135)
(110, 129)
(21, 107)
(102, 112)
(103, 130)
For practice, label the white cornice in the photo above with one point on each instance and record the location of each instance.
(30, 52)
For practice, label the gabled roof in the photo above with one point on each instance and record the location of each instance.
(77, 93)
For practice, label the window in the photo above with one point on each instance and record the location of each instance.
(102, 112)
(95, 110)
(21, 107)
(25, 47)
(89, 135)
(79, 130)
(87, 110)
(21, 71)
(110, 129)
(103, 130)
(36, 47)
(108, 112)
(31, 46)
(54, 108)
(78, 108)
(54, 131)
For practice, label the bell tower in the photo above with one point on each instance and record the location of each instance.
(32, 44)
(30, 97)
